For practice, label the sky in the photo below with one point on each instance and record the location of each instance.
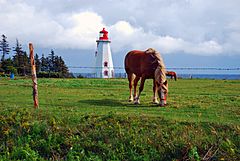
(188, 33)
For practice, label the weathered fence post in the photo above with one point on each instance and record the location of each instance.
(34, 77)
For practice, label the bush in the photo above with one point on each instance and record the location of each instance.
(1, 70)
(48, 75)
(53, 75)
(111, 137)
(11, 69)
(80, 76)
(4, 75)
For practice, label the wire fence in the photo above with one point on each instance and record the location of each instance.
(182, 72)
(171, 68)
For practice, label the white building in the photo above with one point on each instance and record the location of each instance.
(104, 63)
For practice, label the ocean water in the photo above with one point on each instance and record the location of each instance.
(211, 76)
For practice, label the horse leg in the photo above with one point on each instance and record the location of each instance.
(135, 86)
(130, 80)
(155, 101)
(136, 100)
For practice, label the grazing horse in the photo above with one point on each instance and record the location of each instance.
(144, 65)
(172, 74)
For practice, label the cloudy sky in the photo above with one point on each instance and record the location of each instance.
(188, 33)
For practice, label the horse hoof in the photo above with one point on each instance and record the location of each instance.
(155, 102)
(137, 102)
(163, 105)
(130, 100)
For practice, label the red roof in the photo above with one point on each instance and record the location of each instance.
(104, 36)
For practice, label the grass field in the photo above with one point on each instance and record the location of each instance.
(91, 119)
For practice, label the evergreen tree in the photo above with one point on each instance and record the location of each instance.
(4, 47)
(44, 64)
(57, 64)
(21, 60)
(51, 61)
(37, 63)
(7, 66)
(18, 57)
(26, 64)
(63, 68)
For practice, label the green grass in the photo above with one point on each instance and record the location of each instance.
(91, 119)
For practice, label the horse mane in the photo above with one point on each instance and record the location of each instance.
(157, 56)
(160, 72)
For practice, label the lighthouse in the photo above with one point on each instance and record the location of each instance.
(104, 63)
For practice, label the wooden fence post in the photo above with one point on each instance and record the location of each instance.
(34, 77)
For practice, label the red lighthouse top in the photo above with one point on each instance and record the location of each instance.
(103, 35)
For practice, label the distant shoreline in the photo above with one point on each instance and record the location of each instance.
(211, 76)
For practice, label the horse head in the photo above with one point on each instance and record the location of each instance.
(163, 93)
(162, 84)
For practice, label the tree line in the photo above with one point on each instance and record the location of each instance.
(46, 66)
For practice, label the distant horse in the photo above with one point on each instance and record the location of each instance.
(172, 74)
(146, 64)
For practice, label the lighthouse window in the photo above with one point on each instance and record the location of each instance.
(105, 73)
(105, 64)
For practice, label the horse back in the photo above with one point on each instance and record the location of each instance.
(140, 63)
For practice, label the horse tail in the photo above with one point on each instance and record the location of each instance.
(126, 63)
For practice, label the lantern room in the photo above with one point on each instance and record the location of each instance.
(103, 35)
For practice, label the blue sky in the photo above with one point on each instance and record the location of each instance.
(188, 33)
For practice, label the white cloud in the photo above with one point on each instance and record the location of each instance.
(126, 36)
(124, 28)
(207, 47)
(79, 29)
(83, 31)
(75, 30)
(23, 22)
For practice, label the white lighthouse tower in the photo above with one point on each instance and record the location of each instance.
(104, 63)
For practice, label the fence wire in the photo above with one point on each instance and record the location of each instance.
(182, 72)
(170, 68)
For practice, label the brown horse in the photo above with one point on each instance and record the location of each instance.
(144, 65)
(172, 74)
